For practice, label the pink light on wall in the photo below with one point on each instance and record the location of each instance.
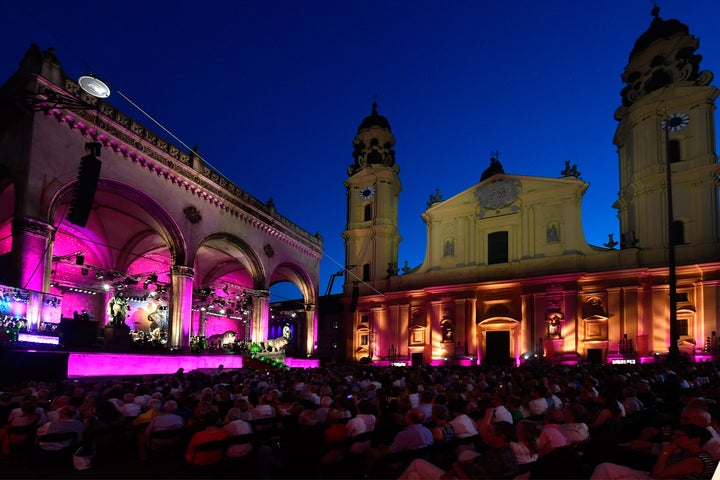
(302, 362)
(117, 365)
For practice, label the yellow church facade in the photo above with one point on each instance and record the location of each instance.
(508, 273)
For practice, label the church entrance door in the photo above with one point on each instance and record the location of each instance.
(497, 347)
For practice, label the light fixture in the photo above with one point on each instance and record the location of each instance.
(99, 275)
(94, 86)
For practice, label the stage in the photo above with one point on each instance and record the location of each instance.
(56, 364)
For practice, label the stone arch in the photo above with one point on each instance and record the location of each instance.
(297, 276)
(158, 220)
(226, 248)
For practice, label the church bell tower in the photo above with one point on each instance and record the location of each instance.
(667, 112)
(373, 189)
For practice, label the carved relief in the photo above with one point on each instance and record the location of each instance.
(33, 227)
(192, 214)
(594, 307)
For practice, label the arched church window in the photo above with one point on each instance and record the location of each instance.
(679, 232)
(368, 212)
(674, 151)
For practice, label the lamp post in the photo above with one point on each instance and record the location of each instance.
(668, 123)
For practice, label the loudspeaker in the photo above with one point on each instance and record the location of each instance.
(84, 191)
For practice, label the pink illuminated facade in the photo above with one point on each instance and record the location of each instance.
(508, 274)
(159, 244)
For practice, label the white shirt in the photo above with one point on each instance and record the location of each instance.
(537, 406)
(464, 426)
(523, 453)
(552, 436)
(234, 428)
(502, 414)
(165, 421)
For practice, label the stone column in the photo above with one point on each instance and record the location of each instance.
(312, 323)
(260, 318)
(180, 314)
(32, 254)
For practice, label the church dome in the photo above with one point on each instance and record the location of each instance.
(494, 168)
(373, 144)
(663, 55)
(659, 29)
(374, 120)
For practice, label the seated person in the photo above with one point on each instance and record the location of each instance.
(684, 457)
(66, 422)
(211, 433)
(497, 462)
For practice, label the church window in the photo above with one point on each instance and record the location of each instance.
(682, 324)
(679, 232)
(498, 248)
(366, 272)
(368, 212)
(674, 151)
(364, 340)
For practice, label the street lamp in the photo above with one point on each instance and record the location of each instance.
(671, 122)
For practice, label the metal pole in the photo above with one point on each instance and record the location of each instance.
(673, 351)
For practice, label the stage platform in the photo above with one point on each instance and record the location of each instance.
(52, 365)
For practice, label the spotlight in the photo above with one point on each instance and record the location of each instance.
(84, 271)
(94, 86)
(79, 259)
(99, 275)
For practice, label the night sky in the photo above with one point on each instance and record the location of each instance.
(272, 92)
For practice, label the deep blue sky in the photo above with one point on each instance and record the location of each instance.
(273, 91)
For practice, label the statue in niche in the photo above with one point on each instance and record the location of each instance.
(448, 335)
(552, 234)
(554, 325)
(449, 249)
(553, 320)
(117, 308)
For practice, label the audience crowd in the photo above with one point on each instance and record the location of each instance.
(538, 420)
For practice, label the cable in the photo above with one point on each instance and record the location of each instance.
(164, 129)
(354, 276)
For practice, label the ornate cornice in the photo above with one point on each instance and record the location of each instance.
(32, 226)
(182, 271)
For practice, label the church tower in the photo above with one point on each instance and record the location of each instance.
(667, 112)
(373, 190)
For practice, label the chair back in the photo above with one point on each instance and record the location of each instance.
(71, 438)
(215, 446)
